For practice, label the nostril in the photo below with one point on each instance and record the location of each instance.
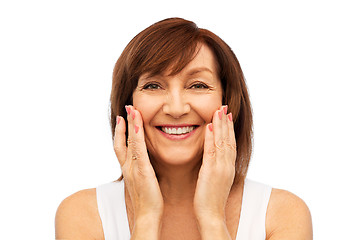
(176, 109)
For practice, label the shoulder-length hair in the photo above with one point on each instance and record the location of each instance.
(173, 43)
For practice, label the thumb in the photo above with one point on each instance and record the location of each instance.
(120, 147)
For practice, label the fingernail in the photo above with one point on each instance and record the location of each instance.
(210, 127)
(225, 109)
(230, 117)
(136, 128)
(127, 109)
(220, 115)
(118, 120)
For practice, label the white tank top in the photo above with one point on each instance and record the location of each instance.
(252, 223)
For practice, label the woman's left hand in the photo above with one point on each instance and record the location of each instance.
(217, 173)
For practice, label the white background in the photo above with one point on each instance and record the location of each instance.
(302, 64)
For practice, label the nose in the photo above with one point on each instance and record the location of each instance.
(176, 104)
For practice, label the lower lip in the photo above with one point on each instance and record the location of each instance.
(177, 137)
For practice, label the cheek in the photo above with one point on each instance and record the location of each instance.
(206, 106)
(147, 106)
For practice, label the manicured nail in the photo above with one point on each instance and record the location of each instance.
(210, 127)
(136, 128)
(220, 115)
(118, 120)
(225, 109)
(230, 117)
(127, 109)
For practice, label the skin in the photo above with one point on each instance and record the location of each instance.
(180, 197)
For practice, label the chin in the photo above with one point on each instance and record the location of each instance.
(178, 158)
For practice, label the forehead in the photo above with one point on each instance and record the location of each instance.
(204, 62)
(204, 59)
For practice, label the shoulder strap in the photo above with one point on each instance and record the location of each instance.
(112, 211)
(252, 223)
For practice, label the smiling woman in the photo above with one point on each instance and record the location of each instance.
(182, 130)
(164, 50)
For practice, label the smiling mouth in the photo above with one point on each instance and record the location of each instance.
(177, 130)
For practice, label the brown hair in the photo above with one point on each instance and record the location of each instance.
(173, 42)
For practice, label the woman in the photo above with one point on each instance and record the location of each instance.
(182, 130)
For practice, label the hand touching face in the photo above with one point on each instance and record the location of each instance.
(217, 172)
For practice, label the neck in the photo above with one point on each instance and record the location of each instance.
(177, 183)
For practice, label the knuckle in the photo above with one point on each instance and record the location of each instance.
(232, 146)
(220, 144)
(211, 152)
(131, 143)
(135, 153)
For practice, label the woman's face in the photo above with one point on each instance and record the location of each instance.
(176, 109)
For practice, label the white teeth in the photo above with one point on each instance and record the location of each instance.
(177, 131)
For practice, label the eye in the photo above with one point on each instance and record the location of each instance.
(151, 86)
(199, 86)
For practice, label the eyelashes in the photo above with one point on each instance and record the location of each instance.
(200, 86)
(156, 86)
(151, 86)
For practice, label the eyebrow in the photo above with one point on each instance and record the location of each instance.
(191, 72)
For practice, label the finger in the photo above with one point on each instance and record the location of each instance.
(218, 133)
(131, 153)
(120, 147)
(225, 132)
(232, 138)
(130, 121)
(209, 153)
(139, 129)
(136, 141)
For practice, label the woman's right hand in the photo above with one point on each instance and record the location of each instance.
(139, 176)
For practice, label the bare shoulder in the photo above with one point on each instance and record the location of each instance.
(77, 217)
(288, 217)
